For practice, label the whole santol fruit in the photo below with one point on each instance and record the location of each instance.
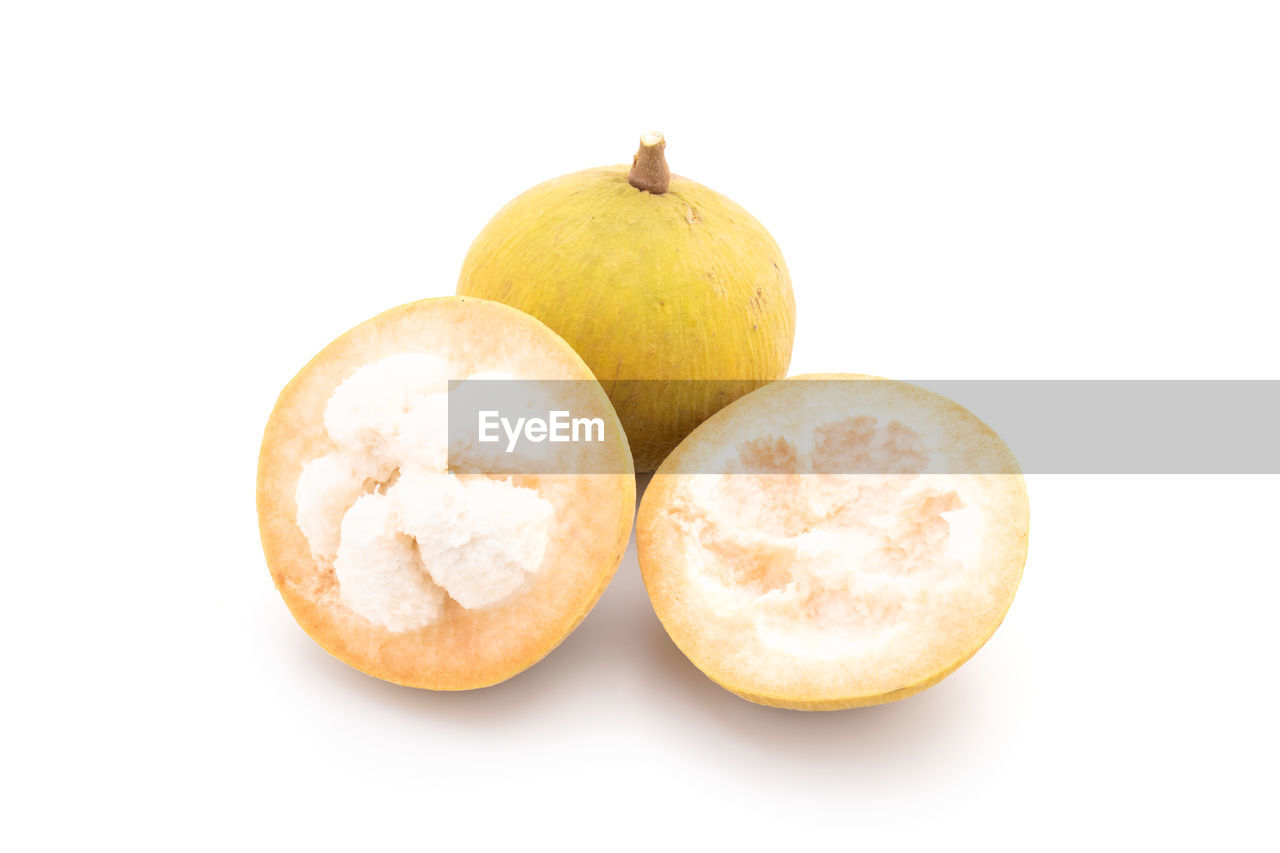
(653, 279)
(833, 541)
(393, 549)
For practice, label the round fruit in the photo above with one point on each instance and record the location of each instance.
(653, 279)
(392, 548)
(832, 541)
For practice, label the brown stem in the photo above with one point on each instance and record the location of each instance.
(649, 168)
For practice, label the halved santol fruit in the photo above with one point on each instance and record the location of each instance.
(831, 541)
(409, 569)
(653, 279)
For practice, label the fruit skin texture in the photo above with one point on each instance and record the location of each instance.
(658, 287)
(691, 624)
(465, 649)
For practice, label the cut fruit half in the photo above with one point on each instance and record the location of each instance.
(831, 541)
(398, 552)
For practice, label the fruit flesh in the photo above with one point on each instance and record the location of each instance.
(398, 527)
(457, 630)
(649, 289)
(815, 588)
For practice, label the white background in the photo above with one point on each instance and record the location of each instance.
(196, 197)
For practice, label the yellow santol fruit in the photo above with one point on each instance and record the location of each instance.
(653, 279)
(408, 558)
(833, 541)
